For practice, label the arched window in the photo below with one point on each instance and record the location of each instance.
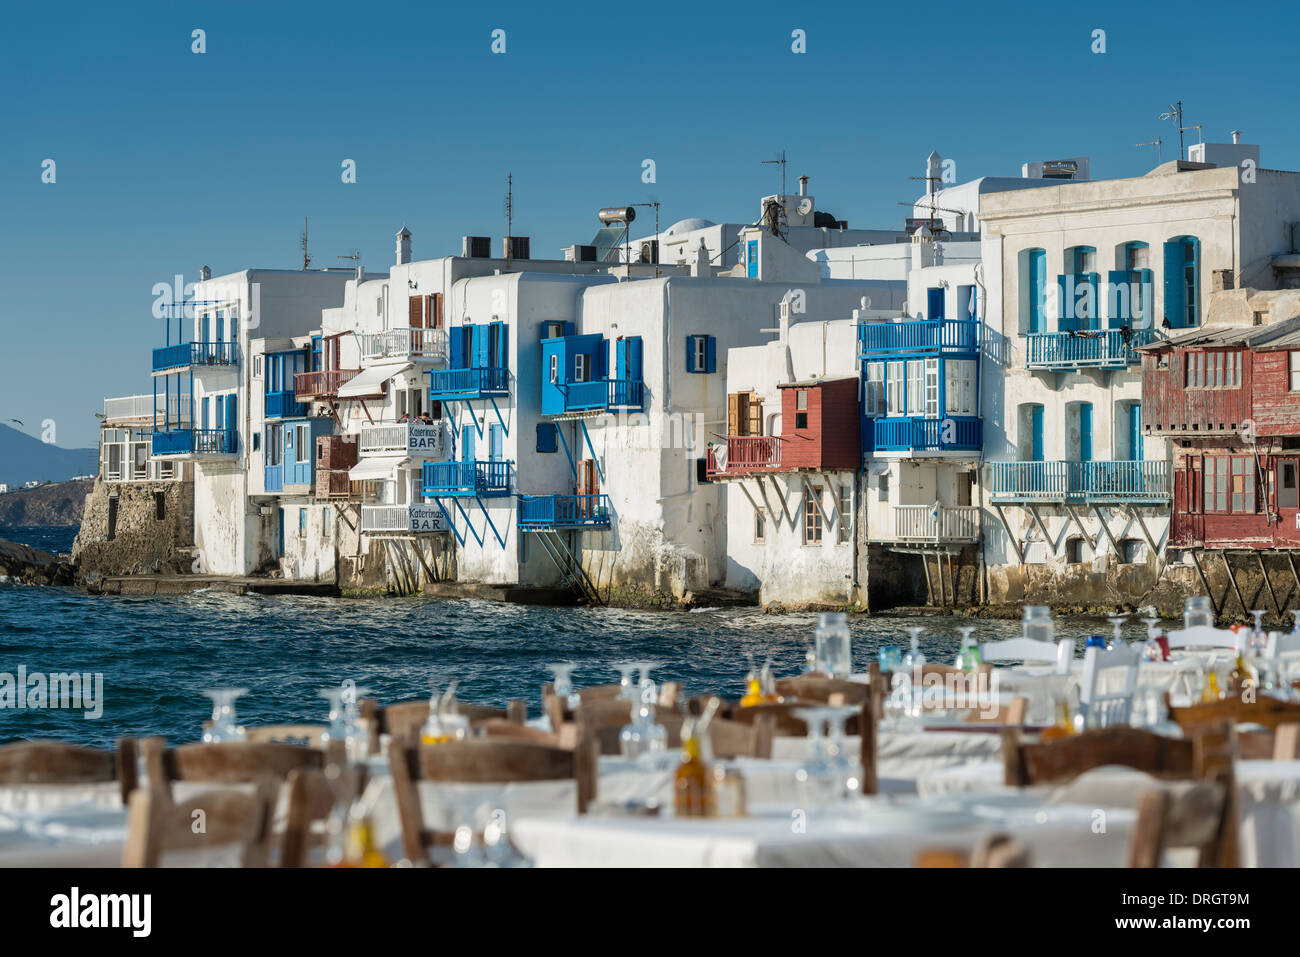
(1078, 431)
(1077, 291)
(1130, 287)
(1033, 290)
(1182, 282)
(1030, 432)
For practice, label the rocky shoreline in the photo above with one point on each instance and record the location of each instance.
(32, 566)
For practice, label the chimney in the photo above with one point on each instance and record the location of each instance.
(803, 185)
(403, 245)
(933, 171)
(205, 273)
(1236, 136)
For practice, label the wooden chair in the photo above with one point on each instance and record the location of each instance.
(1271, 713)
(1062, 760)
(1011, 714)
(312, 798)
(402, 720)
(480, 761)
(156, 825)
(819, 688)
(54, 762)
(1199, 817)
(309, 735)
(1026, 650)
(1105, 709)
(1205, 637)
(992, 850)
(230, 762)
(727, 738)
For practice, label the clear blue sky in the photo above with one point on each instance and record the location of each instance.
(168, 160)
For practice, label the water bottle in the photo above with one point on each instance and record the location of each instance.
(834, 644)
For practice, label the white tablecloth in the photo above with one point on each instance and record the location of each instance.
(903, 756)
(884, 832)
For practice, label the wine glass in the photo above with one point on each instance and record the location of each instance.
(643, 738)
(816, 776)
(627, 687)
(848, 768)
(1118, 622)
(562, 682)
(1259, 628)
(645, 667)
(223, 726)
(968, 657)
(1295, 613)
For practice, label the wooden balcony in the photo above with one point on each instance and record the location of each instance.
(935, 524)
(744, 455)
(1063, 481)
(321, 385)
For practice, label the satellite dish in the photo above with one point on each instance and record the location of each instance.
(805, 206)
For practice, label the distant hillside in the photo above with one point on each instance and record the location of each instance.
(24, 458)
(59, 504)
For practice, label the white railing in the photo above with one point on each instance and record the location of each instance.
(413, 519)
(936, 523)
(420, 439)
(403, 344)
(130, 462)
(175, 408)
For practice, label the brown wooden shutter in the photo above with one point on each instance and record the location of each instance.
(755, 415)
(733, 413)
(416, 312)
(435, 311)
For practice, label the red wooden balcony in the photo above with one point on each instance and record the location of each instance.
(321, 385)
(744, 455)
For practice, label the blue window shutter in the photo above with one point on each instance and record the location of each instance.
(634, 358)
(467, 444)
(1036, 433)
(690, 354)
(1065, 303)
(502, 359)
(1175, 303)
(1037, 290)
(1119, 309)
(206, 328)
(1093, 319)
(1135, 431)
(620, 359)
(496, 442)
(710, 354)
(546, 439)
(457, 348)
(1085, 432)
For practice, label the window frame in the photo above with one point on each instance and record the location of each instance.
(813, 529)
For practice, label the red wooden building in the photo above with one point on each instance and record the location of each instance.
(1229, 400)
(820, 431)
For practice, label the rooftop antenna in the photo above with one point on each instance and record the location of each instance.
(306, 259)
(1157, 143)
(656, 206)
(776, 225)
(355, 256)
(1175, 115)
(510, 190)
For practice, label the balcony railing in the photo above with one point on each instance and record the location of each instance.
(172, 410)
(482, 478)
(473, 383)
(925, 335)
(321, 384)
(420, 439)
(599, 395)
(917, 434)
(744, 454)
(1069, 481)
(284, 405)
(274, 478)
(1095, 349)
(936, 523)
(428, 344)
(334, 485)
(196, 442)
(187, 354)
(563, 511)
(418, 519)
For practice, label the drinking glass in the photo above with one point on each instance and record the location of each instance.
(1295, 613)
(563, 683)
(223, 726)
(1198, 612)
(834, 644)
(816, 776)
(969, 656)
(627, 686)
(643, 737)
(891, 658)
(847, 764)
(1117, 622)
(1036, 623)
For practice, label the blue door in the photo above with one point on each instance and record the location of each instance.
(496, 443)
(206, 329)
(1036, 433)
(279, 538)
(1135, 431)
(204, 421)
(219, 419)
(232, 419)
(1037, 289)
(934, 304)
(1085, 432)
(751, 259)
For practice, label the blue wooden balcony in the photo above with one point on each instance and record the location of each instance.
(1085, 348)
(600, 395)
(189, 354)
(479, 478)
(474, 383)
(274, 478)
(284, 405)
(910, 433)
(196, 442)
(538, 512)
(1120, 481)
(922, 336)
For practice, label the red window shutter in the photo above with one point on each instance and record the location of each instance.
(435, 311)
(416, 313)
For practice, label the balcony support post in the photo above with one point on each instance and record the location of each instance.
(1006, 527)
(1290, 557)
(807, 489)
(1232, 577)
(1259, 557)
(460, 539)
(468, 524)
(780, 497)
(761, 511)
(497, 410)
(600, 472)
(1145, 531)
(1205, 583)
(573, 466)
(929, 587)
(1038, 519)
(1105, 527)
(490, 524)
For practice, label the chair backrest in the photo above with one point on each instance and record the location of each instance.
(482, 761)
(1195, 817)
(305, 734)
(819, 688)
(1020, 649)
(157, 825)
(1063, 759)
(54, 762)
(1011, 713)
(992, 850)
(1203, 636)
(229, 762)
(727, 738)
(312, 798)
(1103, 709)
(402, 720)
(1268, 712)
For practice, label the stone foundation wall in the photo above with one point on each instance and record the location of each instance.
(142, 543)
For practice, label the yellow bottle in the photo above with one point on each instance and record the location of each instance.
(1211, 692)
(753, 691)
(361, 846)
(1238, 677)
(691, 785)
